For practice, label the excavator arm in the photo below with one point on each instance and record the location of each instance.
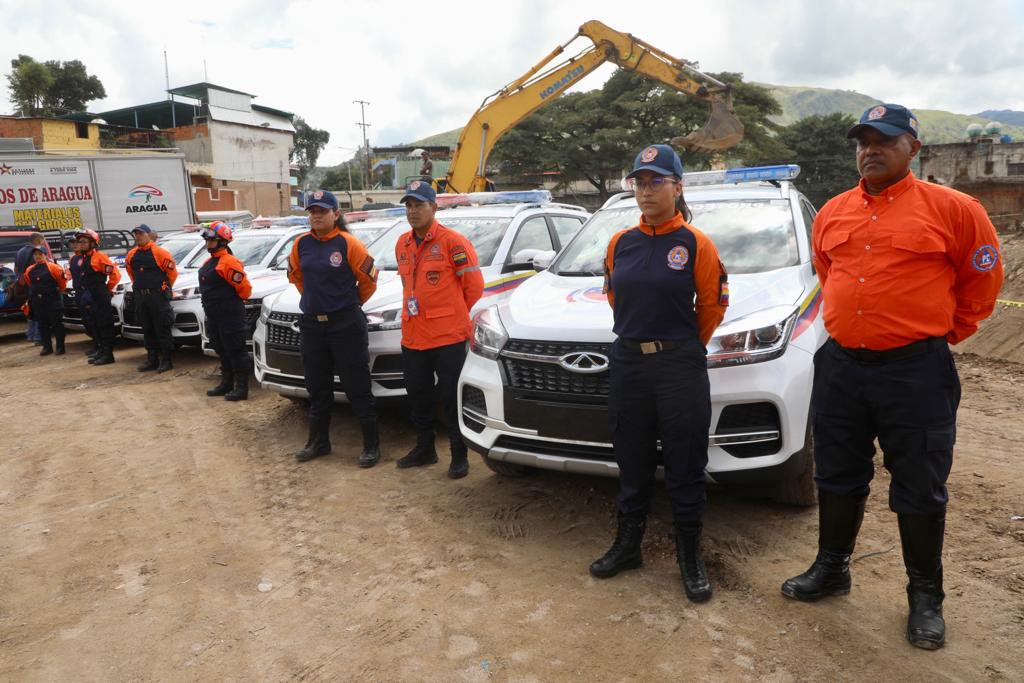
(504, 109)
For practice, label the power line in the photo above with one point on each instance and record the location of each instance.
(363, 104)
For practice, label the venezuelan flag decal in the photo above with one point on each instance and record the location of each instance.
(506, 283)
(808, 312)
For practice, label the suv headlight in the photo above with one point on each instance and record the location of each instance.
(385, 319)
(186, 293)
(489, 335)
(754, 338)
(265, 312)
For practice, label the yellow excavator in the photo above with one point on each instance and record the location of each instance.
(543, 83)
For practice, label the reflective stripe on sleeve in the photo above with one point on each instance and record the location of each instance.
(459, 273)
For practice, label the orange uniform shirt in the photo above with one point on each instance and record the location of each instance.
(443, 275)
(919, 260)
(60, 276)
(233, 271)
(102, 263)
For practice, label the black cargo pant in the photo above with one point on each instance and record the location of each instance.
(420, 367)
(909, 405)
(339, 344)
(156, 317)
(48, 311)
(667, 396)
(227, 330)
(97, 314)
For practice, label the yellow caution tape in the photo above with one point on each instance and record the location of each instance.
(1005, 302)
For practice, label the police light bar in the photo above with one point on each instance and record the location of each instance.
(446, 201)
(510, 197)
(741, 175)
(355, 216)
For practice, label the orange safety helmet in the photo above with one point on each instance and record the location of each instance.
(218, 230)
(86, 232)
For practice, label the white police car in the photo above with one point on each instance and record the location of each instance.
(533, 392)
(257, 248)
(507, 229)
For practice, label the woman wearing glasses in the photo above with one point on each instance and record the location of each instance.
(668, 291)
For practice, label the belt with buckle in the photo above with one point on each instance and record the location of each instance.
(148, 291)
(918, 348)
(328, 317)
(649, 347)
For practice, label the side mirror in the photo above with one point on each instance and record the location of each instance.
(542, 260)
(522, 260)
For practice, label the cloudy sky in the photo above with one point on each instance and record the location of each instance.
(426, 66)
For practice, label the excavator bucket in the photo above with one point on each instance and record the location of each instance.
(721, 131)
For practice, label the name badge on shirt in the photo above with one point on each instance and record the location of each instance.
(412, 306)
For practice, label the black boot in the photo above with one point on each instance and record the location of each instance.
(105, 355)
(47, 349)
(459, 466)
(371, 444)
(227, 382)
(319, 442)
(93, 350)
(165, 362)
(921, 537)
(241, 390)
(695, 574)
(422, 454)
(839, 519)
(625, 551)
(60, 347)
(152, 362)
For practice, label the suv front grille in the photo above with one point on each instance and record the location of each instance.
(546, 379)
(280, 332)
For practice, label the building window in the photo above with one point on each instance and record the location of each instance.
(82, 130)
(224, 183)
(1014, 169)
(990, 167)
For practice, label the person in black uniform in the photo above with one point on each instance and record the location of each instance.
(46, 281)
(668, 292)
(152, 271)
(224, 288)
(335, 275)
(75, 269)
(94, 276)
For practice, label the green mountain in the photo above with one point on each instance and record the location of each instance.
(937, 126)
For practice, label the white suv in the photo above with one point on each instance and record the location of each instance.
(257, 248)
(507, 229)
(533, 392)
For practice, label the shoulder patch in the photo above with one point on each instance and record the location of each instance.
(678, 257)
(723, 290)
(985, 258)
(459, 256)
(367, 265)
(108, 269)
(237, 276)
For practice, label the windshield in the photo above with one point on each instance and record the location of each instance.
(249, 249)
(483, 233)
(9, 246)
(179, 248)
(751, 236)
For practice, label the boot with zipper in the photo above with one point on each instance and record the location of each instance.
(921, 537)
(839, 520)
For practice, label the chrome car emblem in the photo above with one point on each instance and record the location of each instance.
(585, 362)
(295, 327)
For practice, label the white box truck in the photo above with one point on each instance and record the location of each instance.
(67, 191)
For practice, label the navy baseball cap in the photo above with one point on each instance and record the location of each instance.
(419, 190)
(323, 199)
(660, 159)
(892, 120)
(142, 227)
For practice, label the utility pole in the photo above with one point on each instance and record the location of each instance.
(367, 173)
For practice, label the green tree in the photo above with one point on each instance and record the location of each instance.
(308, 143)
(28, 84)
(594, 135)
(827, 164)
(72, 88)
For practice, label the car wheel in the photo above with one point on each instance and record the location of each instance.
(801, 489)
(508, 469)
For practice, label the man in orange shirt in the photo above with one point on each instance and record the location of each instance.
(441, 281)
(907, 268)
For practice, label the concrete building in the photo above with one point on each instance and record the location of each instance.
(237, 152)
(987, 167)
(52, 134)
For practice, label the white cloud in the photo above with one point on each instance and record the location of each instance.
(426, 67)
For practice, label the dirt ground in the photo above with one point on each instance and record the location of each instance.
(150, 533)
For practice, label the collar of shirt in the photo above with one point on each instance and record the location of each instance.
(890, 193)
(668, 226)
(431, 233)
(147, 246)
(220, 252)
(329, 236)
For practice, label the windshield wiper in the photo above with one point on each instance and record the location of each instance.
(583, 273)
